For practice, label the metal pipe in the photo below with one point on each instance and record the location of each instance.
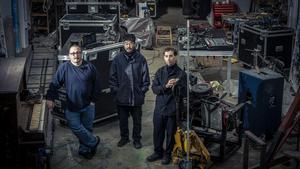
(188, 93)
(14, 11)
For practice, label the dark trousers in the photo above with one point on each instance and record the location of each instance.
(136, 114)
(164, 125)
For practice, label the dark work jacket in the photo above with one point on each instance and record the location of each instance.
(165, 103)
(129, 79)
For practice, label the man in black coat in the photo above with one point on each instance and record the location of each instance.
(129, 81)
(164, 120)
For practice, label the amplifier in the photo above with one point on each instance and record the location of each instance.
(274, 42)
(265, 91)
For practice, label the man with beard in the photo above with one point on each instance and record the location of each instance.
(129, 81)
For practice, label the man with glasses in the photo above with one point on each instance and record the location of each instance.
(82, 83)
(129, 81)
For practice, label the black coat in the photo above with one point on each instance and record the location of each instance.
(165, 102)
(129, 79)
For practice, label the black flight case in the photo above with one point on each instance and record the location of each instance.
(273, 42)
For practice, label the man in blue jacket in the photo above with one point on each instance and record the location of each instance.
(166, 79)
(82, 83)
(129, 81)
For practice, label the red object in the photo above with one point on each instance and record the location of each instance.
(219, 9)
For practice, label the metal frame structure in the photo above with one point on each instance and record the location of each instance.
(268, 156)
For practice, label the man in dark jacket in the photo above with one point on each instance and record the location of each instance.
(82, 84)
(167, 78)
(129, 80)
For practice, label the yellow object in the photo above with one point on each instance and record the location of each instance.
(216, 85)
(233, 60)
(196, 148)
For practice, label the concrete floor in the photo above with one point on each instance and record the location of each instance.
(109, 156)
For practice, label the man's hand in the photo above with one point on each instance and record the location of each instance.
(50, 104)
(171, 83)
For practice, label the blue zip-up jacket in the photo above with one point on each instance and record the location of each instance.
(129, 79)
(82, 84)
(165, 103)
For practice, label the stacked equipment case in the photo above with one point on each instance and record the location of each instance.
(272, 41)
(103, 25)
(101, 18)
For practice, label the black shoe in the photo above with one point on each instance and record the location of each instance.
(122, 142)
(137, 144)
(86, 155)
(154, 157)
(94, 149)
(166, 160)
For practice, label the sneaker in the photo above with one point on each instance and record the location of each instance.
(94, 149)
(166, 160)
(154, 157)
(137, 144)
(122, 142)
(86, 155)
